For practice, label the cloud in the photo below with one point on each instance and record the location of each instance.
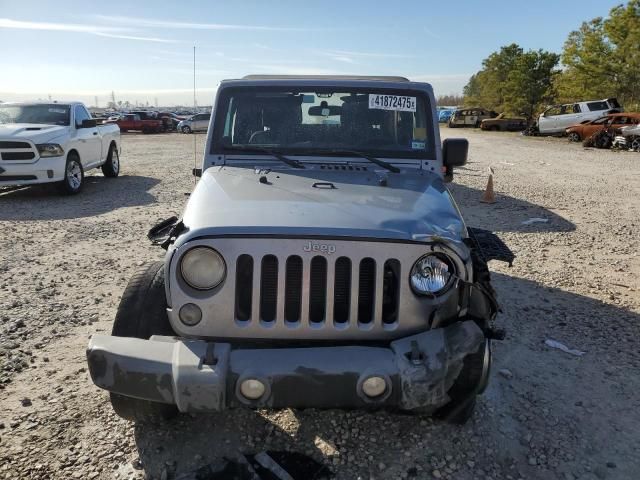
(111, 32)
(372, 54)
(154, 23)
(133, 37)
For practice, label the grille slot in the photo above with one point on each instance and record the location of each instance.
(18, 155)
(293, 289)
(342, 290)
(318, 290)
(9, 145)
(366, 290)
(269, 288)
(390, 291)
(244, 287)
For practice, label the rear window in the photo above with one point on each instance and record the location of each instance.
(597, 106)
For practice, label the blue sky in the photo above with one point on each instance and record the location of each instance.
(143, 50)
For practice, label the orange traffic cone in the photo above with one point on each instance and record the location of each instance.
(489, 195)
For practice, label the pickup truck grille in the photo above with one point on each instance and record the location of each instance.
(16, 151)
(290, 289)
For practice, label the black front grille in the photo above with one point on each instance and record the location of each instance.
(8, 145)
(313, 276)
(14, 178)
(18, 155)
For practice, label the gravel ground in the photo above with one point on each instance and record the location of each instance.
(547, 414)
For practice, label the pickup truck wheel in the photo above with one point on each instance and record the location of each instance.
(471, 382)
(73, 175)
(111, 167)
(141, 314)
(186, 129)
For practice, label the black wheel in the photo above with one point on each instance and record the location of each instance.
(574, 137)
(73, 175)
(471, 382)
(111, 167)
(186, 129)
(141, 314)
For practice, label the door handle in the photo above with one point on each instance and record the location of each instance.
(95, 133)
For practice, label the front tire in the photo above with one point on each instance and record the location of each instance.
(471, 382)
(141, 314)
(186, 129)
(73, 176)
(111, 167)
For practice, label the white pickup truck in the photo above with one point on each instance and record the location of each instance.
(54, 143)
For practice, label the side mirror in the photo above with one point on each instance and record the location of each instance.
(88, 123)
(454, 154)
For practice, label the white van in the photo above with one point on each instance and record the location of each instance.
(557, 118)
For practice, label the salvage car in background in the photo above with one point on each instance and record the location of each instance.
(282, 288)
(54, 143)
(444, 114)
(631, 135)
(556, 119)
(133, 121)
(195, 123)
(503, 123)
(470, 117)
(577, 133)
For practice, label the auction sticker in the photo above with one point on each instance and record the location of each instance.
(397, 103)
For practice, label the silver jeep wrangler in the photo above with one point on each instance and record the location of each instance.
(320, 262)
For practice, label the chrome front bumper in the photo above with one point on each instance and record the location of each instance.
(201, 376)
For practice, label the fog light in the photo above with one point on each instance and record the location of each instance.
(190, 314)
(252, 389)
(374, 386)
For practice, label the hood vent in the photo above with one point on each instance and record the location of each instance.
(352, 168)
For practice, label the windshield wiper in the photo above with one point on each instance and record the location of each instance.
(377, 161)
(279, 156)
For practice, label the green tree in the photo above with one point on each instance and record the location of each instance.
(529, 83)
(486, 87)
(513, 81)
(602, 58)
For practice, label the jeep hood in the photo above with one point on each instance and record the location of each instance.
(36, 132)
(413, 205)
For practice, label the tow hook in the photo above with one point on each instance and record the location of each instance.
(209, 357)
(496, 333)
(415, 356)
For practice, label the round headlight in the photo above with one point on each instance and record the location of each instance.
(203, 268)
(430, 274)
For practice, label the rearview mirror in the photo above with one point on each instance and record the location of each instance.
(88, 123)
(325, 111)
(454, 154)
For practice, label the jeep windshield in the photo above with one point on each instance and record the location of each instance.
(341, 122)
(49, 114)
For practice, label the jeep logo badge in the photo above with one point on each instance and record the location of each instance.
(320, 247)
